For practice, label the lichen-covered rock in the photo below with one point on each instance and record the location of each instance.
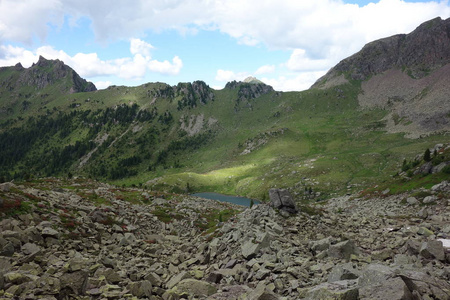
(195, 288)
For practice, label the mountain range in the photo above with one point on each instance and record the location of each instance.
(352, 129)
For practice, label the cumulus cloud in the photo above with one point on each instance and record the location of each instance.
(297, 82)
(299, 61)
(227, 75)
(319, 33)
(266, 69)
(89, 65)
(138, 46)
(102, 84)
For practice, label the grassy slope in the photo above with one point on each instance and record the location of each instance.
(328, 144)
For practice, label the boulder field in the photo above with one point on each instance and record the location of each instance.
(88, 240)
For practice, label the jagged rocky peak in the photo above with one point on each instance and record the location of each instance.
(252, 79)
(47, 72)
(425, 49)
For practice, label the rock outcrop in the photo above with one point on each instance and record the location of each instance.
(282, 199)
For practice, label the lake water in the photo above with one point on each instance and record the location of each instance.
(225, 198)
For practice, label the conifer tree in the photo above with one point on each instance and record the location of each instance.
(427, 155)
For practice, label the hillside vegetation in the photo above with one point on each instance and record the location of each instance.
(243, 139)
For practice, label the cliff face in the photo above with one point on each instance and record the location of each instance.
(425, 49)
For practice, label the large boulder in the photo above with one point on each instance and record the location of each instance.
(343, 250)
(433, 249)
(338, 290)
(194, 287)
(282, 199)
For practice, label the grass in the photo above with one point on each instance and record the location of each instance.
(328, 142)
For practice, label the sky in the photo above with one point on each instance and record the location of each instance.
(288, 44)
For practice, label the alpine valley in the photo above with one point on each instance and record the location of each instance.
(95, 199)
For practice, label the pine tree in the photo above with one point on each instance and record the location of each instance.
(427, 155)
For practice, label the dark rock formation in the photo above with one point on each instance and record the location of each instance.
(282, 199)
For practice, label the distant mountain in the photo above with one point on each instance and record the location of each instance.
(42, 74)
(407, 74)
(243, 139)
(252, 79)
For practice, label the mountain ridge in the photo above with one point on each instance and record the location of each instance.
(428, 45)
(243, 139)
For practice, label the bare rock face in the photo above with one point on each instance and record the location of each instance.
(282, 200)
(428, 46)
(46, 72)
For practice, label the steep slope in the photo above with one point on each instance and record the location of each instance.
(27, 89)
(243, 139)
(406, 74)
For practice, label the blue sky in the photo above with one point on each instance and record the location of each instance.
(286, 43)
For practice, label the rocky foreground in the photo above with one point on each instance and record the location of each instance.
(61, 240)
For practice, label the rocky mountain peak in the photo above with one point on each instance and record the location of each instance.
(419, 52)
(47, 72)
(252, 79)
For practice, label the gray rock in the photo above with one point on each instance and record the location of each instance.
(50, 232)
(282, 199)
(412, 200)
(195, 288)
(250, 250)
(30, 248)
(338, 290)
(7, 186)
(343, 272)
(177, 278)
(374, 274)
(343, 250)
(424, 286)
(433, 249)
(423, 213)
(261, 293)
(392, 289)
(15, 277)
(74, 283)
(6, 248)
(429, 199)
(154, 279)
(320, 245)
(48, 285)
(440, 167)
(141, 289)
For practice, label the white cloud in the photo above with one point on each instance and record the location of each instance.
(89, 65)
(265, 70)
(165, 67)
(226, 76)
(319, 32)
(102, 84)
(138, 46)
(22, 21)
(297, 82)
(300, 62)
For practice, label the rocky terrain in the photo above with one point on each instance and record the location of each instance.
(405, 74)
(81, 239)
